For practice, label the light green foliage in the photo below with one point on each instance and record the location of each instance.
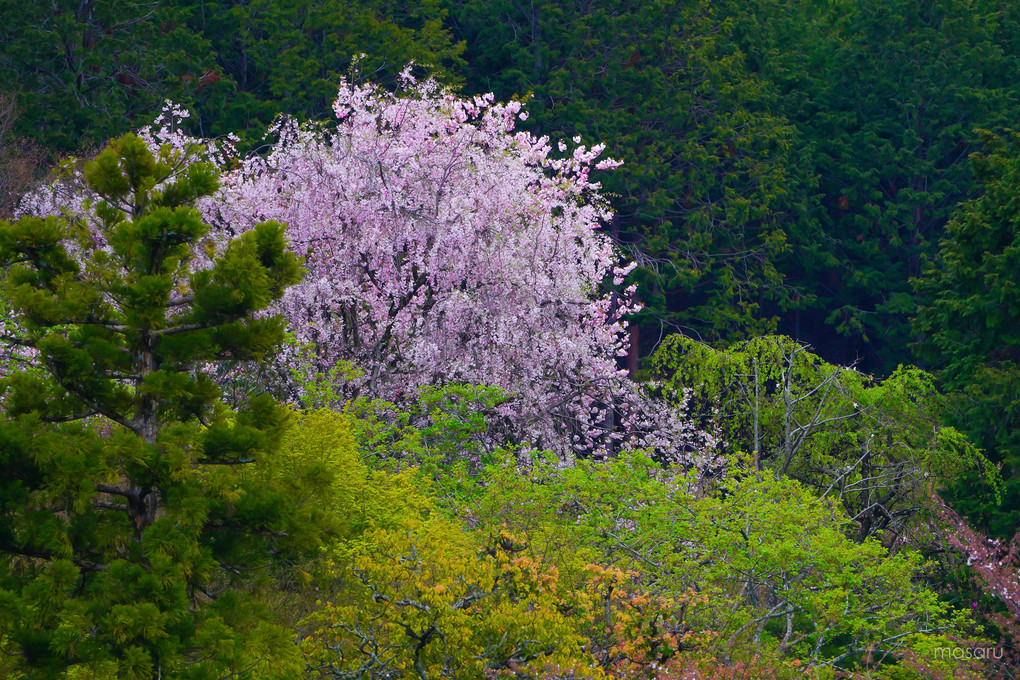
(459, 421)
(771, 564)
(407, 591)
(448, 432)
(318, 389)
(879, 447)
(817, 592)
(443, 425)
(326, 444)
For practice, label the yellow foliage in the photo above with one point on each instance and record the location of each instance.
(427, 599)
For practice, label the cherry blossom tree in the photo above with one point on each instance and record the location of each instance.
(995, 562)
(995, 566)
(444, 247)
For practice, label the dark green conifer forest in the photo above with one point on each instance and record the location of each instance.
(294, 386)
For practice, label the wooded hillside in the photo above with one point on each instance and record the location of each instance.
(483, 338)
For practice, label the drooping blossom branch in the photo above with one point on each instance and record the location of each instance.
(442, 246)
(995, 562)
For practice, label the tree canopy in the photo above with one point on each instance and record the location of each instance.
(969, 320)
(130, 514)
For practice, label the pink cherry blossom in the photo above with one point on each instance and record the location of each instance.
(442, 246)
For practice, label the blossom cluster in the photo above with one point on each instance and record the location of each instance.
(441, 246)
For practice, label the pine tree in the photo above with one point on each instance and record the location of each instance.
(132, 500)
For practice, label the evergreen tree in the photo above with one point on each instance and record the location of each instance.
(706, 200)
(969, 322)
(131, 500)
(290, 58)
(885, 97)
(86, 71)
